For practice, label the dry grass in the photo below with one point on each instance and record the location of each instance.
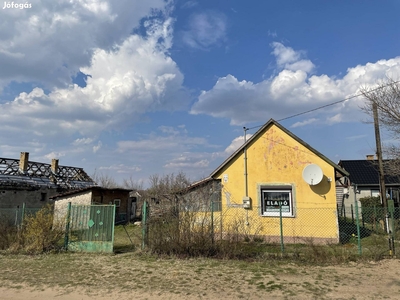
(306, 271)
(198, 278)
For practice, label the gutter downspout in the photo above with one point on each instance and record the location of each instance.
(246, 189)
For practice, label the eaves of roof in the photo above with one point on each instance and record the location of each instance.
(366, 173)
(90, 188)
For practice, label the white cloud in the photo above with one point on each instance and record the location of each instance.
(190, 4)
(188, 161)
(335, 119)
(135, 77)
(82, 141)
(272, 33)
(166, 143)
(121, 168)
(356, 137)
(172, 149)
(97, 147)
(51, 41)
(235, 144)
(205, 30)
(53, 154)
(292, 90)
(287, 58)
(305, 122)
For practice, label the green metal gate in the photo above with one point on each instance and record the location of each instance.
(90, 228)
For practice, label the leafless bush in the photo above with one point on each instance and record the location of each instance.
(39, 233)
(8, 233)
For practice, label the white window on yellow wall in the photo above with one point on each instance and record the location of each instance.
(275, 199)
(117, 202)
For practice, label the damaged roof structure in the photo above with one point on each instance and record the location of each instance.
(40, 179)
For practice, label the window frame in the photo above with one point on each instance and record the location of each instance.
(279, 188)
(117, 202)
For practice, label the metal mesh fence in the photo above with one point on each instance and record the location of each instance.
(318, 225)
(365, 230)
(15, 216)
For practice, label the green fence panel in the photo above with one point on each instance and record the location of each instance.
(91, 228)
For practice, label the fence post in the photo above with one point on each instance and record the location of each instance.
(281, 226)
(391, 235)
(352, 213)
(16, 216)
(212, 221)
(144, 224)
(66, 237)
(357, 220)
(23, 214)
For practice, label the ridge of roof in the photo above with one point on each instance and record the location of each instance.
(296, 138)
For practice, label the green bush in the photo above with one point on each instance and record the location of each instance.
(370, 201)
(372, 209)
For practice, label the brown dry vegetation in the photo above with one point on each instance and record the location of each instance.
(305, 271)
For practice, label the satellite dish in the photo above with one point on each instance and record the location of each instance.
(312, 174)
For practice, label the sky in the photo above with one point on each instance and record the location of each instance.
(134, 88)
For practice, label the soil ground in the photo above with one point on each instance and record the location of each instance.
(127, 276)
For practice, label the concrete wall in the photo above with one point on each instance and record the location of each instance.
(275, 158)
(33, 198)
(61, 205)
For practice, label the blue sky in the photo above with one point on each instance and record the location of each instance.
(133, 88)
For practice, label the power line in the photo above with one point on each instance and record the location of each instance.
(320, 107)
(327, 105)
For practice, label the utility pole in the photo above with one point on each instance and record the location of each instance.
(380, 161)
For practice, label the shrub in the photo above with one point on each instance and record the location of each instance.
(39, 233)
(8, 234)
(370, 201)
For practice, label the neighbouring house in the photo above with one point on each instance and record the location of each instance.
(275, 176)
(365, 174)
(96, 195)
(203, 195)
(34, 183)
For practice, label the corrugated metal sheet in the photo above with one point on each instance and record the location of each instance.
(92, 228)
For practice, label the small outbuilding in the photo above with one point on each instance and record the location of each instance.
(96, 195)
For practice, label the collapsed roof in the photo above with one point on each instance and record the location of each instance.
(28, 174)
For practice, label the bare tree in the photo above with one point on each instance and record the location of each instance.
(167, 186)
(104, 180)
(165, 191)
(132, 184)
(386, 97)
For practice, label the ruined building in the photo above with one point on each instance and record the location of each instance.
(33, 183)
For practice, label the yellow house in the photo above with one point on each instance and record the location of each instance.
(277, 185)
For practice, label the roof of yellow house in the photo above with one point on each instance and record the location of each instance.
(339, 171)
